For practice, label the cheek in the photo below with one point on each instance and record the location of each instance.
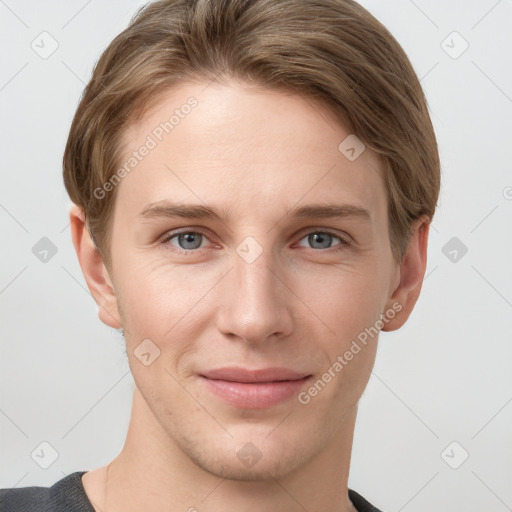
(347, 311)
(348, 354)
(161, 320)
(169, 305)
(163, 301)
(343, 300)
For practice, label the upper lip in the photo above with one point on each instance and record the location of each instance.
(237, 374)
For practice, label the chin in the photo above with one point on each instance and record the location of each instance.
(262, 471)
(249, 458)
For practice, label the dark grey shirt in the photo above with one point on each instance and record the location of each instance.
(68, 495)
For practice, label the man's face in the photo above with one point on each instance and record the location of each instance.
(261, 287)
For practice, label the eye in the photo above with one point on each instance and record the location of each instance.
(324, 240)
(186, 241)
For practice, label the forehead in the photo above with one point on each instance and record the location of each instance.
(248, 147)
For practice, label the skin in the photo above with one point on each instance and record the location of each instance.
(299, 305)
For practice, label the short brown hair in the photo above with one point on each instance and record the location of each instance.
(333, 51)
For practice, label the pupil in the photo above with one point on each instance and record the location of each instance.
(320, 238)
(189, 240)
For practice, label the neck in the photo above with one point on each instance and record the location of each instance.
(153, 473)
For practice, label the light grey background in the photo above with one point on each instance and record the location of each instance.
(444, 377)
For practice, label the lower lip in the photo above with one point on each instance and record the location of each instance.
(254, 395)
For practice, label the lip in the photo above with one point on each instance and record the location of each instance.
(254, 389)
(238, 374)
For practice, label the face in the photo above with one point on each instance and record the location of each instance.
(273, 281)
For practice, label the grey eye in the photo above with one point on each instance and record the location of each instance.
(323, 239)
(187, 241)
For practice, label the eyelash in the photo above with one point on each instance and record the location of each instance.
(344, 242)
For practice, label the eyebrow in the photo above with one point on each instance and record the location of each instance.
(164, 209)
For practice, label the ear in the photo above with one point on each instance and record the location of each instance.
(409, 275)
(94, 270)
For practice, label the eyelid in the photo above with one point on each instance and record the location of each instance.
(178, 231)
(344, 237)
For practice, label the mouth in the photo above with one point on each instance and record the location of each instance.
(254, 389)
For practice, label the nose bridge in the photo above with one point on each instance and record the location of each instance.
(257, 304)
(255, 272)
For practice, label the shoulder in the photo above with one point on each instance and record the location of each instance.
(26, 499)
(361, 504)
(66, 495)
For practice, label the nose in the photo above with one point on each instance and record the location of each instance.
(256, 300)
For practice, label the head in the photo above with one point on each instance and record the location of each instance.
(266, 116)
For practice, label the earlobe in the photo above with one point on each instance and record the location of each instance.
(93, 268)
(410, 275)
